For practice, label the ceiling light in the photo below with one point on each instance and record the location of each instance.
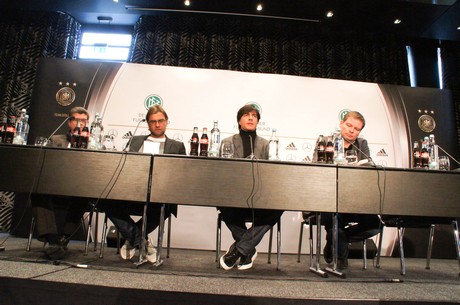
(104, 19)
(397, 21)
(458, 28)
(259, 7)
(116, 1)
(187, 3)
(329, 14)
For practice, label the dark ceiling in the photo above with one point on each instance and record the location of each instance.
(433, 19)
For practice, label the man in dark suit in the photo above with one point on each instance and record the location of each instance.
(119, 213)
(44, 205)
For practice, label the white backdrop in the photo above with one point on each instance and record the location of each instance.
(300, 108)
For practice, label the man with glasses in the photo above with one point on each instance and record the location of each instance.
(119, 214)
(45, 206)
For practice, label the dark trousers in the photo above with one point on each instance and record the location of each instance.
(45, 208)
(247, 239)
(120, 214)
(351, 227)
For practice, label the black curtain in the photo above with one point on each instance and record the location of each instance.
(25, 37)
(450, 54)
(270, 46)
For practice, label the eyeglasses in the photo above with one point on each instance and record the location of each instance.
(84, 121)
(154, 122)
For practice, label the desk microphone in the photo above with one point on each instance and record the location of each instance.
(54, 132)
(365, 155)
(251, 156)
(448, 155)
(128, 145)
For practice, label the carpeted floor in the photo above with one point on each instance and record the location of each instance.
(191, 277)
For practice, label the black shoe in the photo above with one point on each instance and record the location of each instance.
(63, 242)
(327, 252)
(247, 261)
(54, 252)
(229, 259)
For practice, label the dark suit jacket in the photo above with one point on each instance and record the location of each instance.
(172, 147)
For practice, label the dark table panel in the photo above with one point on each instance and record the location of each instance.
(233, 182)
(410, 192)
(74, 172)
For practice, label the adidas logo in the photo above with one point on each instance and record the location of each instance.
(382, 153)
(127, 135)
(291, 146)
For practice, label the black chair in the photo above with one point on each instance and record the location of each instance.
(402, 222)
(311, 219)
(278, 242)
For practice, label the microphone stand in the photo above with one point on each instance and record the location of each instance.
(128, 145)
(54, 132)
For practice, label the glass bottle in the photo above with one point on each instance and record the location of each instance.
(329, 150)
(3, 125)
(22, 129)
(416, 155)
(194, 142)
(273, 146)
(214, 141)
(10, 130)
(204, 143)
(321, 149)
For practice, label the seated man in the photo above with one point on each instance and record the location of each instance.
(243, 250)
(119, 213)
(351, 227)
(44, 205)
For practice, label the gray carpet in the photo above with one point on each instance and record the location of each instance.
(194, 271)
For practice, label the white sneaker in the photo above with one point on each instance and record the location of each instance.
(150, 252)
(127, 251)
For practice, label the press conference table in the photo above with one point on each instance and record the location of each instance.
(201, 181)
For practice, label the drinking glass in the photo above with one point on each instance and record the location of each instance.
(351, 156)
(444, 163)
(227, 150)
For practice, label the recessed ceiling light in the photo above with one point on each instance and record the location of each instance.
(458, 28)
(116, 1)
(187, 3)
(397, 21)
(259, 7)
(329, 14)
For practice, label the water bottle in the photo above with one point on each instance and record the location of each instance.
(95, 138)
(434, 153)
(339, 150)
(215, 141)
(22, 129)
(273, 146)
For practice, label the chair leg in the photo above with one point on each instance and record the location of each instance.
(300, 240)
(278, 245)
(103, 239)
(430, 247)
(457, 242)
(168, 241)
(401, 250)
(364, 254)
(218, 239)
(269, 261)
(31, 233)
(88, 232)
(96, 230)
(379, 250)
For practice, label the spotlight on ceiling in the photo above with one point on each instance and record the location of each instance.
(187, 3)
(259, 7)
(329, 14)
(397, 21)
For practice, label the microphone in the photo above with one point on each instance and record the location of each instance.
(251, 156)
(71, 117)
(128, 145)
(362, 152)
